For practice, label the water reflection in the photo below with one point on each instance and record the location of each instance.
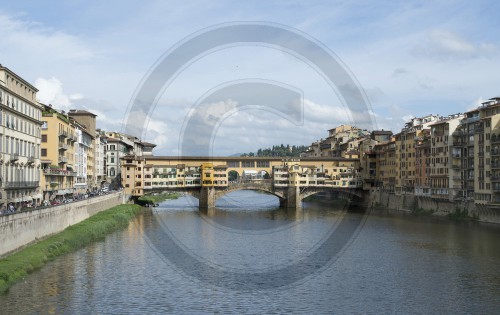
(397, 264)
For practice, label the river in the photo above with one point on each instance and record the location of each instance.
(249, 256)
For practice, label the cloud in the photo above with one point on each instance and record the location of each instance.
(444, 45)
(407, 118)
(34, 39)
(50, 91)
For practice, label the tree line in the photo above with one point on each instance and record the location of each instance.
(279, 151)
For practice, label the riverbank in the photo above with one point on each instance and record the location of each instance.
(427, 206)
(17, 266)
(154, 199)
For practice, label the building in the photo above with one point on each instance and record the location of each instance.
(405, 153)
(118, 146)
(422, 164)
(386, 160)
(57, 154)
(445, 169)
(100, 157)
(20, 136)
(86, 147)
(487, 154)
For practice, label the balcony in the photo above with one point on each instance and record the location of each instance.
(23, 184)
(63, 134)
(63, 160)
(481, 153)
(31, 159)
(456, 166)
(63, 147)
(58, 172)
(494, 152)
(472, 119)
(495, 178)
(496, 188)
(14, 157)
(495, 139)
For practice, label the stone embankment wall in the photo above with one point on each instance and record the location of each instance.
(411, 203)
(20, 229)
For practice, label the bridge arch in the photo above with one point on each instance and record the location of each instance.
(278, 194)
(233, 176)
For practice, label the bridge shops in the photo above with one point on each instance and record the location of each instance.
(145, 174)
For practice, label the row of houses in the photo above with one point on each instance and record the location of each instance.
(47, 154)
(456, 158)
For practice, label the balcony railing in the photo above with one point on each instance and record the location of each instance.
(14, 156)
(63, 134)
(63, 146)
(58, 172)
(22, 184)
(63, 159)
(31, 159)
(495, 140)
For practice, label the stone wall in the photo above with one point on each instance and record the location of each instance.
(20, 229)
(409, 203)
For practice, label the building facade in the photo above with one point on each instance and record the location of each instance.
(20, 136)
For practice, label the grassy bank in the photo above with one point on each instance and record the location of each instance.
(17, 266)
(154, 199)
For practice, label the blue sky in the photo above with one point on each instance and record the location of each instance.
(411, 58)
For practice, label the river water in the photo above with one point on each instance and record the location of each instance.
(249, 256)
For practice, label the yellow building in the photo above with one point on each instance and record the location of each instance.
(57, 154)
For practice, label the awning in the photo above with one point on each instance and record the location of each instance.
(17, 200)
(38, 196)
(27, 198)
(60, 193)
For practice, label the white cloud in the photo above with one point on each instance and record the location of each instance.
(445, 45)
(50, 91)
(407, 118)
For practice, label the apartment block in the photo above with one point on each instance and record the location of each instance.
(20, 136)
(406, 154)
(445, 170)
(57, 154)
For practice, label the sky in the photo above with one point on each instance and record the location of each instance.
(409, 58)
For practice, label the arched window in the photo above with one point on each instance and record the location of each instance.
(112, 171)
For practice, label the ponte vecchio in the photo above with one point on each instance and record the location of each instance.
(208, 178)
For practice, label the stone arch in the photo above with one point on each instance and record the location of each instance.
(233, 175)
(268, 191)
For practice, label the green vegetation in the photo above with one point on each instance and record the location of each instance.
(279, 151)
(154, 199)
(17, 266)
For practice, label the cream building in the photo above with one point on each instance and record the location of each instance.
(20, 122)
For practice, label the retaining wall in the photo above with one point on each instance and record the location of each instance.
(408, 203)
(20, 229)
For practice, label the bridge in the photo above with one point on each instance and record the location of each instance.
(207, 179)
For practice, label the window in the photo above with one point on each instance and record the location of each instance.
(44, 152)
(44, 138)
